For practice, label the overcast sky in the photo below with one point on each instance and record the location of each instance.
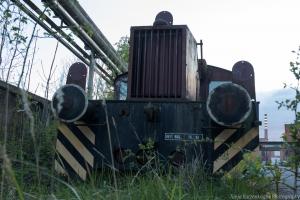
(263, 32)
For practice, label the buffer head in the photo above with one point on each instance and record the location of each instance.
(69, 103)
(229, 104)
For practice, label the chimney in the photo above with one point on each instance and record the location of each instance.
(266, 127)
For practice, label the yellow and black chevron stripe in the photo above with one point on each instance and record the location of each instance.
(229, 146)
(75, 152)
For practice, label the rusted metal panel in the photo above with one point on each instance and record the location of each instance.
(163, 63)
(77, 75)
(210, 73)
(243, 74)
(191, 67)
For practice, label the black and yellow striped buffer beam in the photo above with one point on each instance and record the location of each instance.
(230, 144)
(75, 152)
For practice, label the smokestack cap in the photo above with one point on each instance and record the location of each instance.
(163, 18)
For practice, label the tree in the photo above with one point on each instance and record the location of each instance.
(293, 142)
(123, 48)
(102, 89)
(13, 38)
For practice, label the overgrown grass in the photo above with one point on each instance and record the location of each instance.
(190, 182)
(24, 178)
(146, 186)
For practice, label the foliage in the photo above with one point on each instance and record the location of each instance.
(186, 184)
(103, 90)
(123, 48)
(276, 175)
(249, 171)
(13, 39)
(292, 142)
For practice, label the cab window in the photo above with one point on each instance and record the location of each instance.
(121, 83)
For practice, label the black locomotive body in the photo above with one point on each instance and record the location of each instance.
(171, 108)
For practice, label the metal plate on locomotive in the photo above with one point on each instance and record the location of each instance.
(183, 137)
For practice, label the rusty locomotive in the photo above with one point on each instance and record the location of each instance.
(171, 107)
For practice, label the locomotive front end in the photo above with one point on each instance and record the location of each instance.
(175, 109)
